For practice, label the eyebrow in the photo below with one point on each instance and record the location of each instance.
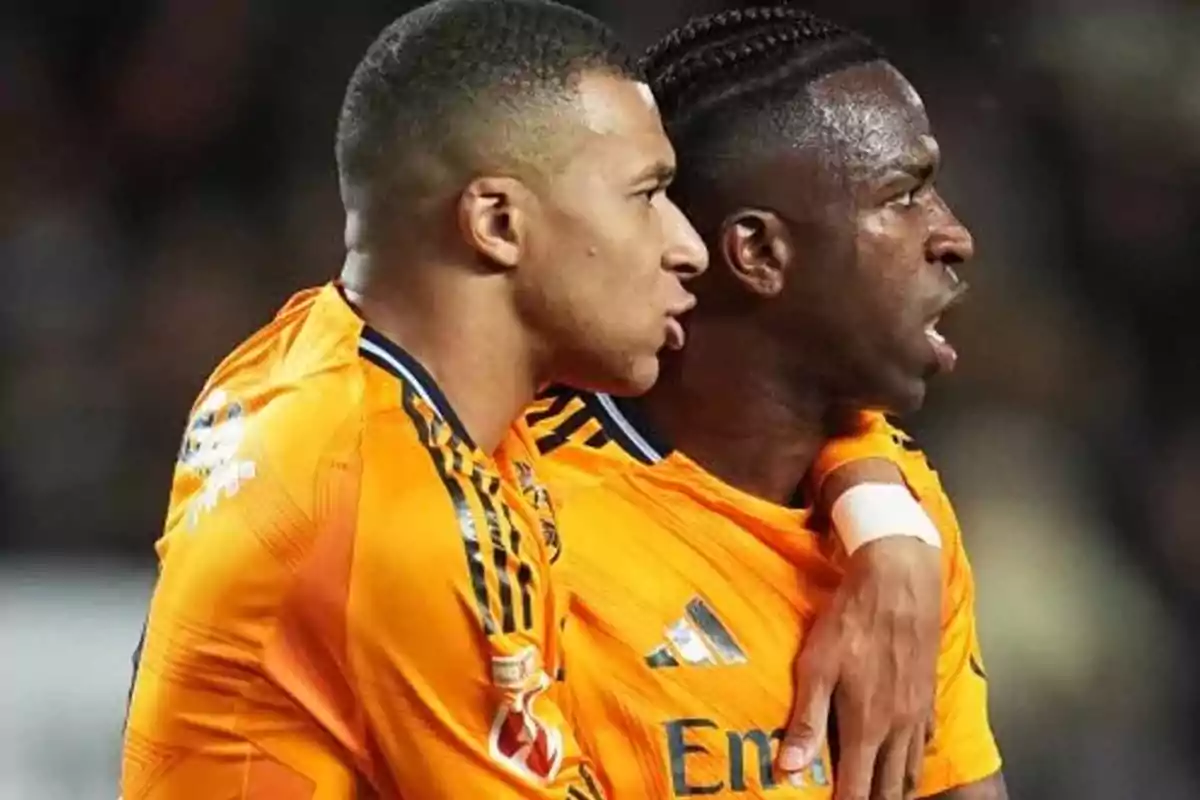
(920, 168)
(659, 172)
(922, 165)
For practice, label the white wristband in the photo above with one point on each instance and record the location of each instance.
(871, 511)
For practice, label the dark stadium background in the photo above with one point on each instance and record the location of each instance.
(166, 179)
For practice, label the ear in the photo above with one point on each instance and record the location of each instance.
(758, 250)
(493, 217)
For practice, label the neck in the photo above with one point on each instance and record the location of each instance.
(447, 320)
(722, 402)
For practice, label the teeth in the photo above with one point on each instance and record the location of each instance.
(933, 334)
(953, 275)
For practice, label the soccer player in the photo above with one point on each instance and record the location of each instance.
(353, 598)
(694, 554)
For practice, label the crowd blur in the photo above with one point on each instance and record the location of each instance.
(167, 179)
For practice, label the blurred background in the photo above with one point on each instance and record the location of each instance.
(167, 179)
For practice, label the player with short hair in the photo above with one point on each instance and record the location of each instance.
(354, 598)
(695, 557)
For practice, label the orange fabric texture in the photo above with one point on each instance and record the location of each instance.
(353, 600)
(689, 601)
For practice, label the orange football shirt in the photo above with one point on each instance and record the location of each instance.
(353, 600)
(688, 604)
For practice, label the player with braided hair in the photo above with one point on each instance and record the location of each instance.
(695, 531)
(725, 53)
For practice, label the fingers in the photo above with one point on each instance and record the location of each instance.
(916, 755)
(891, 764)
(815, 680)
(804, 740)
(855, 771)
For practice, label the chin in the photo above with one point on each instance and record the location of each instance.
(903, 394)
(910, 401)
(632, 378)
(638, 379)
(901, 385)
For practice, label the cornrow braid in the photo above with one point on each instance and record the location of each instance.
(703, 31)
(736, 53)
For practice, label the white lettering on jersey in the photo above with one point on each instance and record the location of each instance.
(210, 448)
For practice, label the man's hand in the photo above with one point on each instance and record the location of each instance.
(873, 654)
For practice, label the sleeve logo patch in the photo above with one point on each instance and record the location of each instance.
(210, 448)
(522, 742)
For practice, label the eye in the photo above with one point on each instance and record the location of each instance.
(908, 199)
(650, 194)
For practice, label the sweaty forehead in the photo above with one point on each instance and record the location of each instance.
(871, 115)
(617, 105)
(607, 131)
(622, 117)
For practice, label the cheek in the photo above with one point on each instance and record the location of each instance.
(890, 258)
(607, 283)
(631, 247)
(612, 249)
(881, 237)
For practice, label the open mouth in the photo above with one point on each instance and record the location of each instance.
(947, 356)
(945, 353)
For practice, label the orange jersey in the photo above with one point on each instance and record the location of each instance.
(353, 599)
(689, 601)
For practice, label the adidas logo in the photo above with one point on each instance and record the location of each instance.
(698, 639)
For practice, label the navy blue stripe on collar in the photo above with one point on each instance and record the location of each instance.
(392, 358)
(624, 421)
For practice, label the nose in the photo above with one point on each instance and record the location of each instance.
(949, 242)
(685, 253)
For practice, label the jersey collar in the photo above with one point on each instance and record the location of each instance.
(625, 422)
(392, 358)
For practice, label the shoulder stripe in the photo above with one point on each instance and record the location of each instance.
(557, 405)
(384, 360)
(499, 550)
(597, 439)
(570, 425)
(462, 510)
(459, 477)
(524, 571)
(591, 420)
(391, 358)
(593, 789)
